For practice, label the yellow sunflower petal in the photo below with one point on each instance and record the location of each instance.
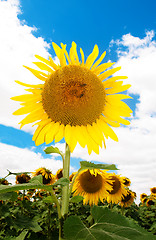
(43, 66)
(27, 97)
(94, 133)
(91, 58)
(39, 128)
(27, 109)
(60, 54)
(106, 129)
(29, 85)
(53, 65)
(80, 136)
(82, 57)
(65, 52)
(43, 60)
(40, 75)
(108, 73)
(98, 61)
(118, 89)
(54, 128)
(74, 46)
(60, 134)
(109, 81)
(41, 136)
(102, 68)
(70, 137)
(35, 115)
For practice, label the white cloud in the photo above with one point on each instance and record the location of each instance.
(18, 46)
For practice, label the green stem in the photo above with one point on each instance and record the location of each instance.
(65, 190)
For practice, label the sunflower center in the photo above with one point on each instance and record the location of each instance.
(73, 95)
(90, 183)
(116, 185)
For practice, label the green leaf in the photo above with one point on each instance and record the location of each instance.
(62, 181)
(108, 225)
(24, 186)
(49, 199)
(52, 149)
(76, 199)
(18, 173)
(12, 196)
(22, 221)
(22, 235)
(38, 178)
(89, 165)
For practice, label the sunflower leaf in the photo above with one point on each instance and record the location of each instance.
(52, 149)
(108, 225)
(62, 181)
(76, 199)
(90, 165)
(12, 196)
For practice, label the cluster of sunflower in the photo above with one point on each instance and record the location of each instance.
(149, 200)
(93, 185)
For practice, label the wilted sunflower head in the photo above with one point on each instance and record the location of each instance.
(92, 185)
(77, 99)
(3, 181)
(128, 199)
(118, 188)
(59, 174)
(150, 202)
(153, 191)
(48, 177)
(22, 178)
(126, 181)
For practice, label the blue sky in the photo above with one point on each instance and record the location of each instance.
(126, 30)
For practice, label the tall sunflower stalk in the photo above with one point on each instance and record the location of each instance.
(77, 100)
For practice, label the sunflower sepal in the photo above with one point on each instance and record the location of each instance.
(90, 165)
(52, 149)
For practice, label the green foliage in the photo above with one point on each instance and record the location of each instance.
(107, 225)
(89, 165)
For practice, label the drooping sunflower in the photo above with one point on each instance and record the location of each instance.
(150, 202)
(153, 191)
(127, 200)
(59, 174)
(77, 99)
(48, 177)
(118, 188)
(3, 181)
(22, 178)
(126, 181)
(92, 185)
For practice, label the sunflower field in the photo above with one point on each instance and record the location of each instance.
(31, 213)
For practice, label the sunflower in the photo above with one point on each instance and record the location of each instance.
(143, 196)
(78, 100)
(59, 174)
(153, 191)
(22, 178)
(127, 200)
(92, 185)
(150, 202)
(126, 181)
(48, 177)
(118, 188)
